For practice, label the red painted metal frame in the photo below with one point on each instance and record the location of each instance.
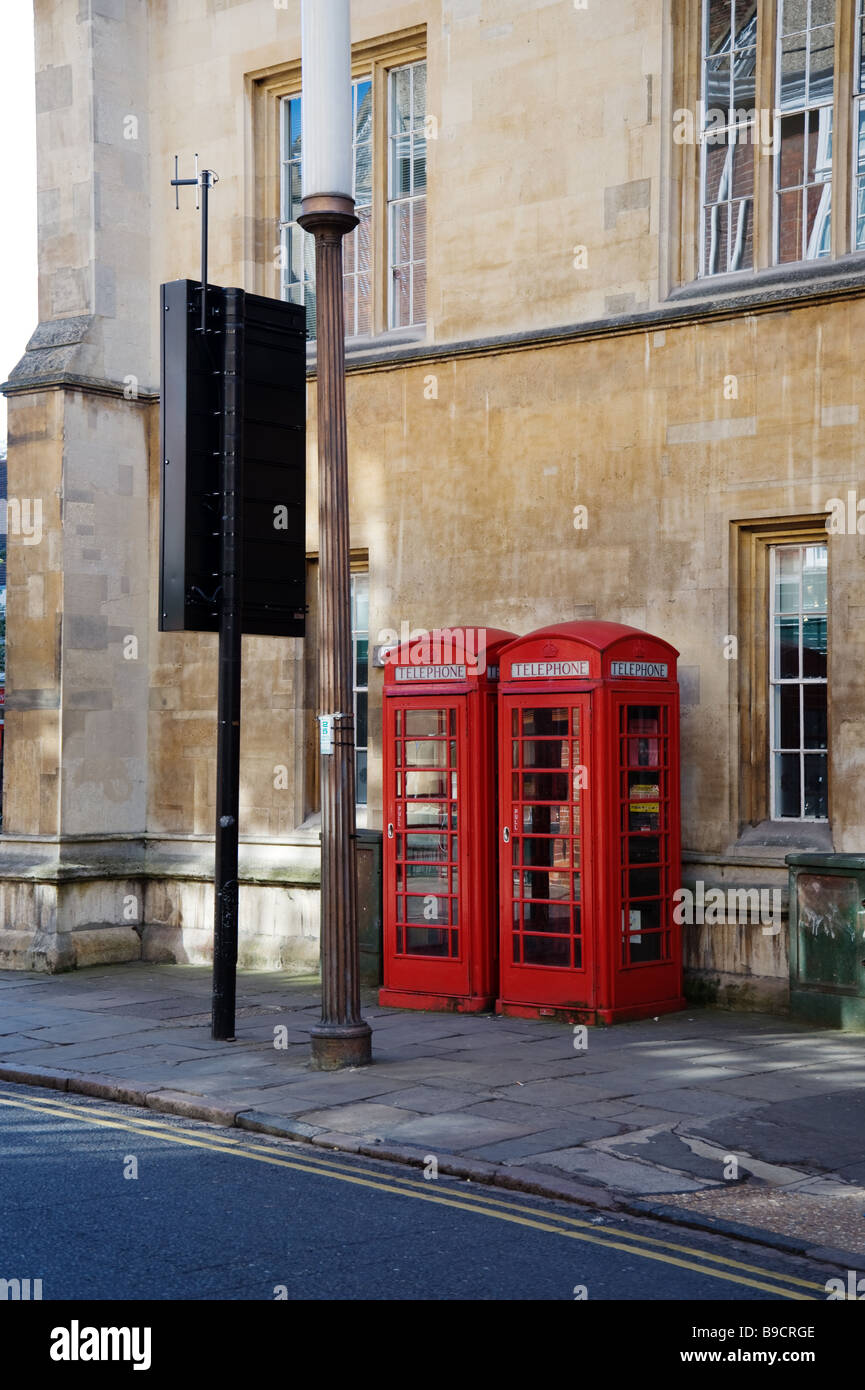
(466, 982)
(608, 988)
(555, 986)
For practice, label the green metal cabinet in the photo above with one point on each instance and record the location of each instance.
(369, 911)
(827, 939)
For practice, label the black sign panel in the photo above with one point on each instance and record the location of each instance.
(273, 353)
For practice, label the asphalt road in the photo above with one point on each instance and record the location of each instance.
(103, 1201)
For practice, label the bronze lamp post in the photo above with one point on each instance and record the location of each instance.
(342, 1038)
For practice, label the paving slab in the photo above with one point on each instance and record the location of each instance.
(423, 1068)
(838, 1078)
(327, 1090)
(610, 1172)
(221, 1059)
(108, 1047)
(277, 1100)
(57, 1050)
(644, 1077)
(13, 1024)
(509, 1073)
(640, 1116)
(739, 1057)
(9, 1046)
(413, 1026)
(558, 1094)
(212, 1081)
(559, 1047)
(116, 1001)
(395, 1040)
(553, 1068)
(364, 1118)
(196, 1035)
(457, 1074)
(686, 1101)
(771, 1136)
(126, 1064)
(383, 1053)
(530, 1145)
(213, 1086)
(463, 1048)
(90, 1027)
(853, 1173)
(431, 1100)
(669, 1150)
(838, 1113)
(515, 1114)
(456, 1131)
(529, 1027)
(786, 1085)
(276, 1028)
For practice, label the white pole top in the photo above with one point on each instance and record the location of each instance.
(326, 98)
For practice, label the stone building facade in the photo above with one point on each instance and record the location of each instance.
(601, 363)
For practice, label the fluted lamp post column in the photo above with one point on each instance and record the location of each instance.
(342, 1038)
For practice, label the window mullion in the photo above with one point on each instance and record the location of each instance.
(380, 194)
(843, 141)
(765, 100)
(772, 686)
(801, 683)
(804, 195)
(856, 106)
(406, 208)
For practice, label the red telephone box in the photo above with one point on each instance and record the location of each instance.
(440, 926)
(589, 842)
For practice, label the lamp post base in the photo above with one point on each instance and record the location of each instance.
(338, 1045)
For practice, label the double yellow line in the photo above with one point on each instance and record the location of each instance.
(477, 1201)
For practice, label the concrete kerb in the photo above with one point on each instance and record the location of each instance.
(36, 1076)
(191, 1106)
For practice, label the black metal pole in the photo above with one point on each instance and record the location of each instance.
(202, 183)
(230, 626)
(205, 188)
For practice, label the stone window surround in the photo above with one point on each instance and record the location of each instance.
(750, 543)
(372, 58)
(683, 207)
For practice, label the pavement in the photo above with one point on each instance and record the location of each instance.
(747, 1124)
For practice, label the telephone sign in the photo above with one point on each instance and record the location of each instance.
(642, 669)
(524, 670)
(429, 673)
